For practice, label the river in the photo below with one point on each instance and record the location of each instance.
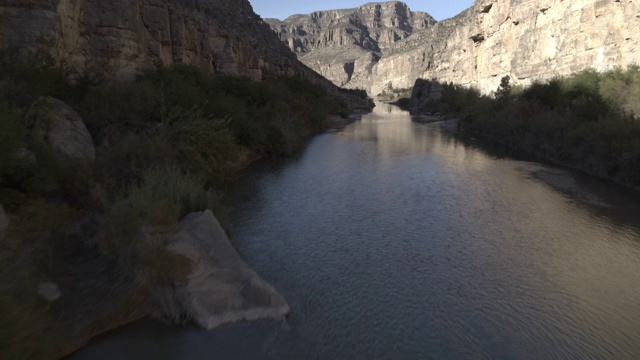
(392, 239)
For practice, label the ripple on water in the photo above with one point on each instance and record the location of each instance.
(393, 240)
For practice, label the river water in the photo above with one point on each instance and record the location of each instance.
(392, 239)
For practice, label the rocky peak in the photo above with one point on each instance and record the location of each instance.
(342, 44)
(372, 26)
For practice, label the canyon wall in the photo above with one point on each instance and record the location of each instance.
(124, 37)
(527, 40)
(343, 45)
(218, 36)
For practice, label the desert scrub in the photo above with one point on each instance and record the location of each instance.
(145, 217)
(588, 121)
(167, 143)
(204, 145)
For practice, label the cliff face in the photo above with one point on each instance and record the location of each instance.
(527, 40)
(123, 36)
(343, 45)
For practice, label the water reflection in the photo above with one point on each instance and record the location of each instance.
(392, 239)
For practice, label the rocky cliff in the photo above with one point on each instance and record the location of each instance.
(343, 45)
(123, 36)
(527, 40)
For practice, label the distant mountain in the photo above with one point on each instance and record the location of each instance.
(382, 46)
(343, 45)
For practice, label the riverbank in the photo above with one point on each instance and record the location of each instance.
(95, 175)
(587, 122)
(413, 244)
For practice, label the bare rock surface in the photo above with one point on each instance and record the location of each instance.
(342, 45)
(61, 128)
(526, 40)
(49, 291)
(124, 36)
(221, 288)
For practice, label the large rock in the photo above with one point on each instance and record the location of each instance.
(4, 223)
(222, 288)
(58, 126)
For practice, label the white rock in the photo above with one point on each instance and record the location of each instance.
(61, 128)
(49, 291)
(222, 288)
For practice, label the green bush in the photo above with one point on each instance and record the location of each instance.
(587, 120)
(204, 145)
(141, 223)
(12, 139)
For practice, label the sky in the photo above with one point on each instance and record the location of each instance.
(281, 9)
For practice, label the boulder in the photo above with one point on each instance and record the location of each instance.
(60, 128)
(221, 287)
(4, 223)
(49, 291)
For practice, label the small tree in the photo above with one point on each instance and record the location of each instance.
(502, 94)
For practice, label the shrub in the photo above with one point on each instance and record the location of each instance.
(12, 139)
(141, 223)
(204, 145)
(116, 108)
(546, 95)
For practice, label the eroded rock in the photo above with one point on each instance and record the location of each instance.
(58, 126)
(49, 291)
(221, 288)
(526, 40)
(500, 38)
(342, 45)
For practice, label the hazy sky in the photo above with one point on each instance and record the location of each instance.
(280, 9)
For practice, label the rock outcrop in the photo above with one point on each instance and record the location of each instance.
(342, 45)
(526, 40)
(124, 36)
(57, 126)
(221, 288)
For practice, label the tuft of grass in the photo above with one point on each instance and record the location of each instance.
(141, 223)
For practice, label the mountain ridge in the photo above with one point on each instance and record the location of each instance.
(526, 40)
(358, 35)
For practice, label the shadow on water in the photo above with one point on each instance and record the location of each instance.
(394, 239)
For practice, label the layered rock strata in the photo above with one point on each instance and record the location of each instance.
(343, 45)
(526, 40)
(123, 37)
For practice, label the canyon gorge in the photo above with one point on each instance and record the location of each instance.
(385, 46)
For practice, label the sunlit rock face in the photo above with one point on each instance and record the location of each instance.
(527, 40)
(124, 36)
(343, 45)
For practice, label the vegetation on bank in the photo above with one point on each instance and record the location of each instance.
(166, 145)
(399, 95)
(589, 121)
